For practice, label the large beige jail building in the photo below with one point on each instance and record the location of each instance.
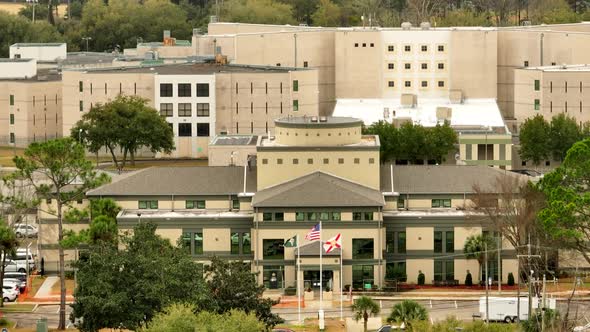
(199, 100)
(385, 63)
(415, 218)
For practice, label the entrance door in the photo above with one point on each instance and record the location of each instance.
(312, 279)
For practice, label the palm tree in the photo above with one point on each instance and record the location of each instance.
(363, 307)
(474, 248)
(407, 311)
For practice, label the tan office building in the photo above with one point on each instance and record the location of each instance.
(415, 218)
(199, 100)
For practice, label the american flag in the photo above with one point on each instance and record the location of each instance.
(314, 233)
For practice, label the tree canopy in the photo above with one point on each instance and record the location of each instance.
(566, 216)
(540, 139)
(18, 29)
(127, 123)
(414, 142)
(363, 307)
(125, 288)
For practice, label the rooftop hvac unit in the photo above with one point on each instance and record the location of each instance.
(425, 25)
(406, 25)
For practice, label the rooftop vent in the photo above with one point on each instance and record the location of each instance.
(323, 119)
(406, 25)
(425, 25)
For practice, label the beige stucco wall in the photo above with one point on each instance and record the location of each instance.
(461, 267)
(363, 173)
(461, 235)
(419, 238)
(216, 239)
(171, 234)
(36, 110)
(314, 136)
(414, 266)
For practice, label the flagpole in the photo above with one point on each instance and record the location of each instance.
(341, 290)
(298, 283)
(321, 272)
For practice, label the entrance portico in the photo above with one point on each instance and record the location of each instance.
(309, 270)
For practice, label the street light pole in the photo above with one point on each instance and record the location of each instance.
(86, 39)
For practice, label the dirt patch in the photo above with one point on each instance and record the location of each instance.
(70, 285)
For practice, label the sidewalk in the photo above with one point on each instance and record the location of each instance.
(45, 289)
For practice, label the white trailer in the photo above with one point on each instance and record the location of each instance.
(505, 308)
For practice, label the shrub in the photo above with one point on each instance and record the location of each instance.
(407, 311)
(327, 289)
(510, 279)
(551, 319)
(468, 279)
(347, 288)
(4, 322)
(421, 278)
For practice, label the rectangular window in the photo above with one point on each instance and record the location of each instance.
(150, 204)
(81, 86)
(235, 204)
(441, 203)
(184, 89)
(166, 109)
(341, 160)
(305, 64)
(407, 48)
(449, 241)
(391, 84)
(246, 243)
(266, 216)
(390, 66)
(202, 129)
(362, 248)
(336, 216)
(279, 161)
(551, 86)
(537, 104)
(441, 84)
(273, 249)
(194, 204)
(441, 48)
(235, 243)
(186, 241)
(566, 86)
(390, 48)
(356, 216)
(251, 88)
(438, 241)
(326, 161)
(184, 109)
(424, 84)
(401, 242)
(81, 106)
(408, 84)
(202, 89)
(279, 216)
(11, 100)
(295, 85)
(165, 89)
(362, 276)
(424, 48)
(295, 105)
(310, 161)
(295, 161)
(264, 161)
(424, 66)
(368, 215)
(11, 119)
(198, 243)
(537, 85)
(526, 63)
(185, 130)
(444, 270)
(312, 216)
(357, 160)
(299, 216)
(90, 88)
(12, 138)
(441, 66)
(371, 160)
(401, 203)
(408, 65)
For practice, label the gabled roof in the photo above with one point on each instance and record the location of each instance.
(205, 180)
(442, 179)
(318, 189)
(313, 249)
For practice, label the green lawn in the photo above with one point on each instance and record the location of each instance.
(17, 307)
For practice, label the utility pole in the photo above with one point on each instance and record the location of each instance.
(486, 281)
(499, 263)
(544, 303)
(530, 279)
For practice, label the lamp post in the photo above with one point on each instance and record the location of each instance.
(34, 2)
(86, 39)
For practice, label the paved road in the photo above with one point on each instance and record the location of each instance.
(438, 310)
(30, 319)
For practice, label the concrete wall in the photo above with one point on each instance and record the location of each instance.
(42, 52)
(36, 111)
(20, 68)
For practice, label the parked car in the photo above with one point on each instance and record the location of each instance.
(12, 285)
(23, 251)
(23, 230)
(15, 266)
(384, 328)
(16, 275)
(22, 285)
(9, 294)
(24, 259)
